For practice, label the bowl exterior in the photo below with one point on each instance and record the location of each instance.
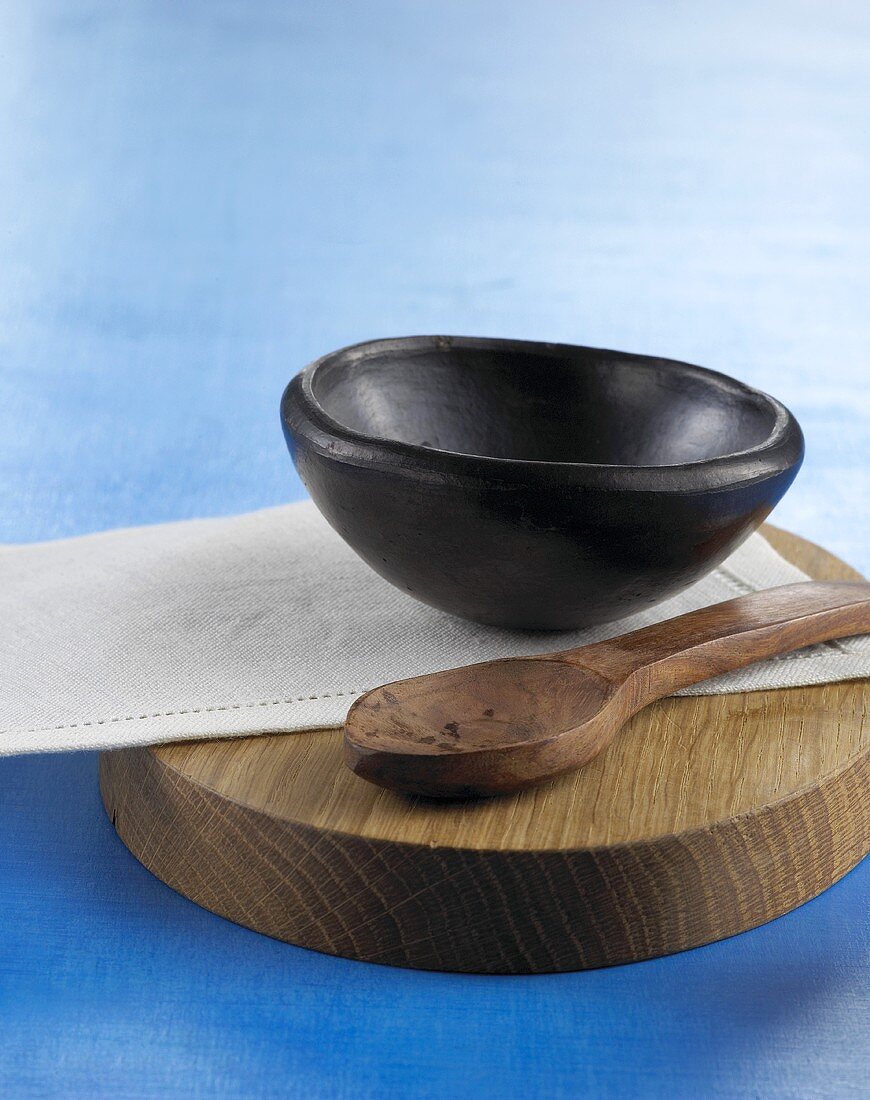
(542, 546)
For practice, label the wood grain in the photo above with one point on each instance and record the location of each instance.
(706, 816)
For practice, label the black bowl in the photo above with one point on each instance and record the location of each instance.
(535, 485)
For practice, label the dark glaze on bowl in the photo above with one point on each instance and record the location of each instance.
(535, 485)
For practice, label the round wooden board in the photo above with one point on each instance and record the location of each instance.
(707, 816)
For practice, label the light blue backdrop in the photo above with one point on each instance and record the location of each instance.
(195, 200)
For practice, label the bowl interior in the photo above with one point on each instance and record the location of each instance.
(551, 405)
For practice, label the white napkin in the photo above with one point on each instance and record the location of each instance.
(267, 622)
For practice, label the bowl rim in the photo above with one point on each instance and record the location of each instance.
(303, 415)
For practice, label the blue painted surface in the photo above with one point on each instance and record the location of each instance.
(197, 199)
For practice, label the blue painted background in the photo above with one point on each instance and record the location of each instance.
(198, 198)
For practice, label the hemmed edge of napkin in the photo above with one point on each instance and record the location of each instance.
(230, 720)
(328, 711)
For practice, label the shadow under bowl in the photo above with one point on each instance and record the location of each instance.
(532, 485)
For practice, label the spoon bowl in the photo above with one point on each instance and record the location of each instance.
(449, 734)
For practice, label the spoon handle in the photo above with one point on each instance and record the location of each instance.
(660, 659)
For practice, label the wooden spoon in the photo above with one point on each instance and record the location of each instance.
(503, 725)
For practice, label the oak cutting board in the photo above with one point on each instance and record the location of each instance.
(707, 816)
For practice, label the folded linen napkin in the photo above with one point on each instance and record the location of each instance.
(268, 622)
